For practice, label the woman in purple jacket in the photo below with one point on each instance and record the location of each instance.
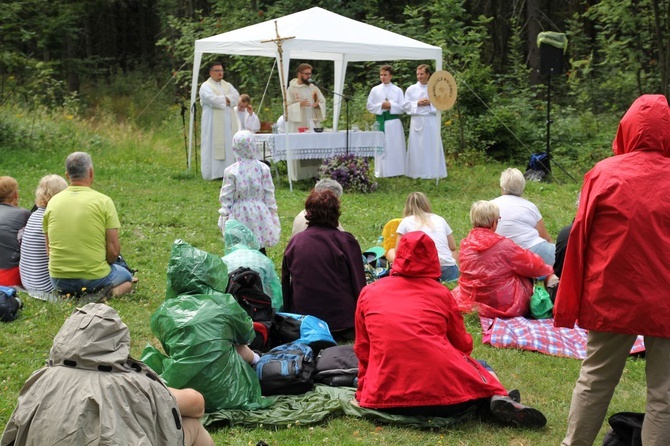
(322, 271)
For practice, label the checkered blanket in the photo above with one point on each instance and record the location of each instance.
(540, 336)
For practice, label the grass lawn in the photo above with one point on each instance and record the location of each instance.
(158, 201)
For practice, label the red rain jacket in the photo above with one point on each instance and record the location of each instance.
(411, 342)
(496, 275)
(616, 276)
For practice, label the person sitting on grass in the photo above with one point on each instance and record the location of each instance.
(81, 228)
(93, 392)
(497, 275)
(34, 263)
(242, 250)
(520, 220)
(12, 221)
(418, 216)
(300, 222)
(322, 271)
(414, 351)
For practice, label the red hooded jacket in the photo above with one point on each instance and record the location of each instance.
(496, 275)
(411, 342)
(616, 276)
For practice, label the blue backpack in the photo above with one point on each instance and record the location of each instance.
(286, 370)
(305, 329)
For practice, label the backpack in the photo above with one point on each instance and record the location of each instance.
(261, 342)
(9, 304)
(305, 329)
(246, 286)
(337, 366)
(538, 167)
(286, 370)
(626, 429)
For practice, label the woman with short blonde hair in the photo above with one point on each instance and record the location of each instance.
(483, 214)
(521, 220)
(34, 264)
(496, 274)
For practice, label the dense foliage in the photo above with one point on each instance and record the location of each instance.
(64, 54)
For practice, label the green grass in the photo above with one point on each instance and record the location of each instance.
(159, 201)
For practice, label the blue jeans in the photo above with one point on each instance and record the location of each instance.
(116, 277)
(449, 273)
(545, 250)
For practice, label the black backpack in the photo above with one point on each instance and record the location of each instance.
(626, 429)
(9, 304)
(337, 366)
(246, 287)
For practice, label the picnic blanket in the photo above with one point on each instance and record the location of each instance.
(540, 336)
(314, 406)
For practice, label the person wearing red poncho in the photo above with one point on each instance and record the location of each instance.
(496, 274)
(616, 278)
(414, 351)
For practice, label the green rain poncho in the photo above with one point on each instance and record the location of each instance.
(242, 250)
(198, 326)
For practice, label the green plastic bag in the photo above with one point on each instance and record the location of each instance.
(198, 326)
(541, 306)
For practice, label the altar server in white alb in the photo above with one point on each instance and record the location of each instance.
(306, 108)
(386, 100)
(248, 120)
(218, 99)
(425, 155)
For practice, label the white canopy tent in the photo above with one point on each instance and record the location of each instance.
(317, 34)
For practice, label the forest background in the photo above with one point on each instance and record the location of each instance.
(112, 77)
(79, 54)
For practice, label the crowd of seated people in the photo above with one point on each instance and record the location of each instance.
(322, 274)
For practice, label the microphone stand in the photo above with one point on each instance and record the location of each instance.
(346, 106)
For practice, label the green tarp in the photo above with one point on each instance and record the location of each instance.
(314, 406)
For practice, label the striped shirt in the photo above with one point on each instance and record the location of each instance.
(34, 263)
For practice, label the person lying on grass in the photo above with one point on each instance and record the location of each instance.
(414, 351)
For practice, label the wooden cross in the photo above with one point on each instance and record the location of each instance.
(279, 41)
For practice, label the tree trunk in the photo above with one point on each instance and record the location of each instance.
(533, 29)
(662, 46)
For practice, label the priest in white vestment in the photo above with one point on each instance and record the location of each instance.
(219, 123)
(425, 154)
(387, 101)
(306, 108)
(247, 119)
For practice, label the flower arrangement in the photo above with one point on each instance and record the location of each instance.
(352, 172)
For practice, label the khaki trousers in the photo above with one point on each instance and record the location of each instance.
(606, 355)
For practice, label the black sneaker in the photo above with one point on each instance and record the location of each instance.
(514, 395)
(509, 412)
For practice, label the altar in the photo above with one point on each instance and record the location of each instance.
(319, 145)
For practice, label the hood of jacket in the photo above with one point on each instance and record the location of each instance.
(93, 336)
(244, 145)
(237, 236)
(416, 256)
(481, 239)
(644, 127)
(193, 271)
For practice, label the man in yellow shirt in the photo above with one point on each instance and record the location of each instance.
(81, 228)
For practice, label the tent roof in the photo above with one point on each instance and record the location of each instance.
(319, 35)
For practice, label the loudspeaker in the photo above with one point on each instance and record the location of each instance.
(551, 59)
